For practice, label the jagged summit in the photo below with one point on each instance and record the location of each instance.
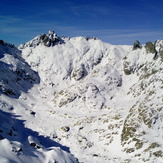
(137, 45)
(48, 40)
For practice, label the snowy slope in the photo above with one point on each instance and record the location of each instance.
(18, 143)
(96, 101)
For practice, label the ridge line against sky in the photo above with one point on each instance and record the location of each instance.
(113, 21)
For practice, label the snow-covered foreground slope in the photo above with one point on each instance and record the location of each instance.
(19, 143)
(67, 98)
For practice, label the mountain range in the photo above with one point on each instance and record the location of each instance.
(81, 100)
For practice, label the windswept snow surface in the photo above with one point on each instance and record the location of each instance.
(80, 99)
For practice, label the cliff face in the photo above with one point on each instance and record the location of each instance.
(102, 101)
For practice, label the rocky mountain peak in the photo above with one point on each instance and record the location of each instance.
(47, 40)
(137, 45)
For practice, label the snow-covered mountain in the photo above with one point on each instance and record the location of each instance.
(81, 100)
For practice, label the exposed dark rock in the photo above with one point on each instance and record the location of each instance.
(33, 113)
(50, 39)
(65, 128)
(137, 45)
(150, 47)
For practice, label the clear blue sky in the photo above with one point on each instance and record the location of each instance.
(112, 21)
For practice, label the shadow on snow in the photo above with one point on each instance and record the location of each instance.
(14, 130)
